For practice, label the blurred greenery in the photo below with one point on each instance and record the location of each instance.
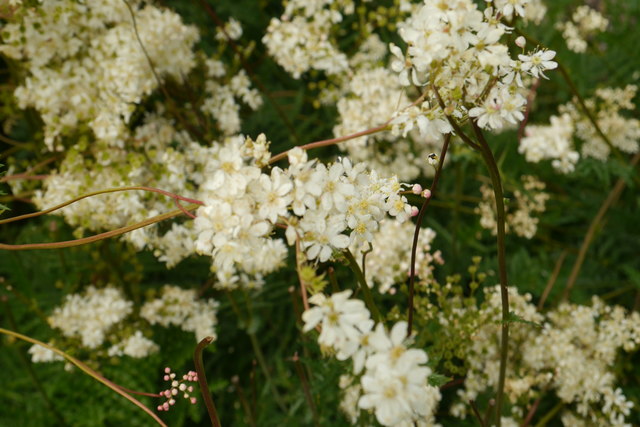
(48, 395)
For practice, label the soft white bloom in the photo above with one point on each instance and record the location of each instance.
(339, 317)
(181, 307)
(538, 62)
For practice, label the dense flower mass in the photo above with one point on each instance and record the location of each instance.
(97, 320)
(570, 353)
(455, 52)
(555, 141)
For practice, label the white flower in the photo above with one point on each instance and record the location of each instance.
(340, 318)
(538, 62)
(272, 194)
(322, 235)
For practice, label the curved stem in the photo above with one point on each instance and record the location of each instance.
(613, 196)
(202, 381)
(332, 141)
(502, 263)
(366, 292)
(95, 193)
(87, 370)
(97, 237)
(414, 245)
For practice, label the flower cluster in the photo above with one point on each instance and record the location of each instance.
(393, 378)
(570, 354)
(387, 260)
(177, 387)
(300, 40)
(528, 201)
(97, 318)
(181, 307)
(91, 315)
(555, 141)
(371, 96)
(85, 63)
(325, 208)
(455, 49)
(584, 24)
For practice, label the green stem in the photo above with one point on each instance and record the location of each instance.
(263, 365)
(366, 292)
(202, 381)
(549, 415)
(502, 263)
(612, 198)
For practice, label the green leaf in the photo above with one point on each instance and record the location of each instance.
(437, 380)
(514, 318)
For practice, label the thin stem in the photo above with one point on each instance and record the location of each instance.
(30, 170)
(613, 197)
(502, 263)
(243, 400)
(531, 412)
(303, 285)
(202, 381)
(95, 193)
(265, 370)
(87, 370)
(306, 389)
(332, 141)
(552, 280)
(530, 97)
(474, 407)
(416, 234)
(155, 73)
(366, 292)
(549, 415)
(97, 237)
(28, 366)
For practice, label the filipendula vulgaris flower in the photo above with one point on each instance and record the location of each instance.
(394, 382)
(456, 49)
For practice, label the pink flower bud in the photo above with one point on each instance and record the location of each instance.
(426, 193)
(167, 370)
(193, 400)
(416, 189)
(414, 211)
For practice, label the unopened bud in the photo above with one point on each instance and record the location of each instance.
(426, 193)
(414, 211)
(521, 42)
(416, 189)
